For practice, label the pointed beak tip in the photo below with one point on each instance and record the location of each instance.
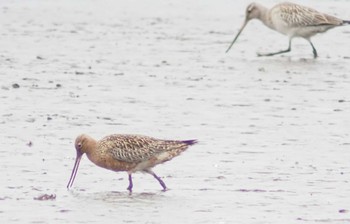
(237, 35)
(74, 171)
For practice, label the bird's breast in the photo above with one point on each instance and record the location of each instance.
(106, 161)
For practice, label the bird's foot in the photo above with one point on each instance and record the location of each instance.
(130, 184)
(265, 55)
(272, 54)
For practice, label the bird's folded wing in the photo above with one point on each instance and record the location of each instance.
(133, 148)
(298, 16)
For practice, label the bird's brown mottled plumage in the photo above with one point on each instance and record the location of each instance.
(130, 153)
(292, 20)
(298, 15)
(136, 148)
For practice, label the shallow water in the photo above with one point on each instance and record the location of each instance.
(273, 132)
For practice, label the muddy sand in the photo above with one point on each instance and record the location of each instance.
(274, 144)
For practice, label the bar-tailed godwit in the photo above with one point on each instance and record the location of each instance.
(292, 20)
(130, 153)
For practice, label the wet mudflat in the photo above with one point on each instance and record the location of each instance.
(273, 132)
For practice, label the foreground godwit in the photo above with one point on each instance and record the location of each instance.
(130, 153)
(292, 20)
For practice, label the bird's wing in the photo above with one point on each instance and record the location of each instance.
(297, 15)
(133, 148)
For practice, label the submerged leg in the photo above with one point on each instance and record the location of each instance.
(158, 178)
(313, 49)
(130, 184)
(279, 52)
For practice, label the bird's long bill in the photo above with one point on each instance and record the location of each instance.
(74, 171)
(239, 32)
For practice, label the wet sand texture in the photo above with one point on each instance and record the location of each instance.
(273, 132)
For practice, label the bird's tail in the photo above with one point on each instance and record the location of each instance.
(346, 21)
(190, 142)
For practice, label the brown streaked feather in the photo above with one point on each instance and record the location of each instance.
(296, 15)
(129, 153)
(137, 148)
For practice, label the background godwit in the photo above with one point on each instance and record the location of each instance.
(292, 20)
(129, 153)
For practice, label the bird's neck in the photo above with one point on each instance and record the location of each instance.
(90, 146)
(97, 155)
(264, 16)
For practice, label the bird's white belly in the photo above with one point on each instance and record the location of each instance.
(298, 30)
(160, 158)
(309, 31)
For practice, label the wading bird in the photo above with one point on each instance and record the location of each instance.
(130, 153)
(292, 20)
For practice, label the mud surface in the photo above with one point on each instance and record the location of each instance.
(274, 132)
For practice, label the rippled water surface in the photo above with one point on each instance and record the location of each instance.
(274, 144)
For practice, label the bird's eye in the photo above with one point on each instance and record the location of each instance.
(79, 145)
(250, 8)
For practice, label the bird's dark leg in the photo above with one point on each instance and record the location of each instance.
(279, 52)
(158, 178)
(313, 49)
(130, 184)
